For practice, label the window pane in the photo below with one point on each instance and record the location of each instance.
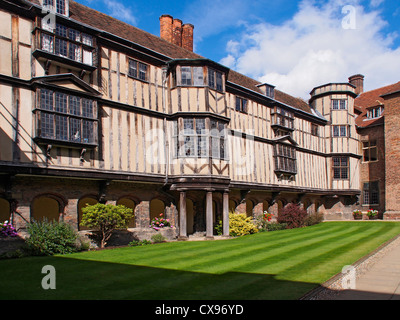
(87, 132)
(46, 99)
(47, 125)
(366, 155)
(86, 39)
(88, 57)
(202, 146)
(47, 43)
(343, 131)
(75, 130)
(61, 128)
(343, 104)
(75, 52)
(189, 147)
(336, 173)
(344, 173)
(74, 105)
(133, 68)
(211, 78)
(200, 126)
(61, 47)
(87, 108)
(142, 71)
(219, 81)
(336, 131)
(61, 102)
(344, 162)
(61, 30)
(186, 76)
(61, 9)
(74, 35)
(188, 126)
(198, 76)
(335, 104)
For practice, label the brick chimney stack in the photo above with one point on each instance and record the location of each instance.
(357, 81)
(174, 32)
(187, 36)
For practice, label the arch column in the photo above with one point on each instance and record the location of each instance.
(182, 216)
(209, 215)
(225, 215)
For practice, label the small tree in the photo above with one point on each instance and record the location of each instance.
(293, 215)
(105, 219)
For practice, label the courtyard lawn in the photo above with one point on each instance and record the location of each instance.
(276, 265)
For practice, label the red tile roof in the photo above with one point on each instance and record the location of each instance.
(103, 22)
(369, 99)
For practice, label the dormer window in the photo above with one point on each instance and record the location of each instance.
(58, 6)
(283, 119)
(68, 43)
(198, 76)
(375, 112)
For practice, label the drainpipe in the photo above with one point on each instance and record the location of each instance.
(166, 151)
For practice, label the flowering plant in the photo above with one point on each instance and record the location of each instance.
(159, 223)
(7, 230)
(357, 213)
(267, 216)
(372, 213)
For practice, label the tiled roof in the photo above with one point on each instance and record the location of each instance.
(369, 99)
(103, 22)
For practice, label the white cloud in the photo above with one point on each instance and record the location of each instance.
(312, 48)
(119, 11)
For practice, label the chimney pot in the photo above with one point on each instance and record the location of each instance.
(358, 81)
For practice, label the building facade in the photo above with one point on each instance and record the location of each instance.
(95, 110)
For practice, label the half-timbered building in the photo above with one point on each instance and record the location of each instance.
(95, 110)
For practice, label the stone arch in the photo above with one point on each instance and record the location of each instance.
(249, 207)
(83, 202)
(5, 210)
(48, 207)
(131, 203)
(232, 205)
(157, 206)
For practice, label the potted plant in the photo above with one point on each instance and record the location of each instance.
(372, 214)
(357, 215)
(160, 222)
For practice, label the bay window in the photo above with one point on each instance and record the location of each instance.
(65, 118)
(67, 43)
(285, 159)
(200, 138)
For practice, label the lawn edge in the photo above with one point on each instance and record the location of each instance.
(334, 284)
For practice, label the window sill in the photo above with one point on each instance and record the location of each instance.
(279, 126)
(60, 59)
(63, 143)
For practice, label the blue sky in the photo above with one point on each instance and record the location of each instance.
(295, 45)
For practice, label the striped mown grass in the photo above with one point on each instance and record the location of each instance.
(276, 265)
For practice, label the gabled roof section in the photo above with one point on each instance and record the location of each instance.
(68, 81)
(286, 138)
(369, 99)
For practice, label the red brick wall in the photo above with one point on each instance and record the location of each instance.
(392, 145)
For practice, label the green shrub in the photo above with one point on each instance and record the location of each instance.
(51, 237)
(275, 226)
(105, 218)
(158, 238)
(137, 243)
(313, 219)
(241, 225)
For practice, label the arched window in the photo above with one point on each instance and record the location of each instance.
(129, 203)
(83, 202)
(46, 207)
(5, 210)
(232, 205)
